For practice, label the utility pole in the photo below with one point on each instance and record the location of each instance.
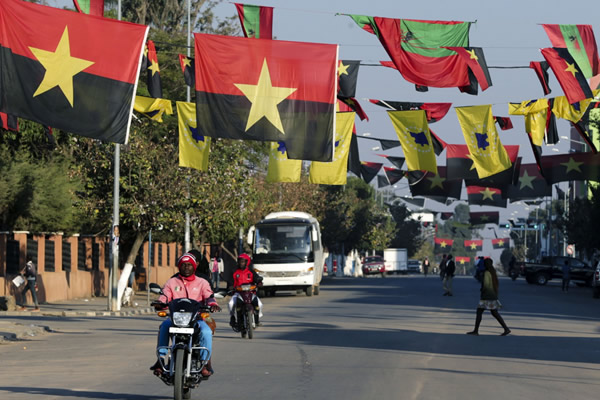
(188, 245)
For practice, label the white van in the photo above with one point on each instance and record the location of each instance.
(287, 252)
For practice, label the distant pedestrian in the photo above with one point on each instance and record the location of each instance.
(30, 273)
(442, 267)
(566, 276)
(426, 266)
(448, 275)
(217, 268)
(488, 299)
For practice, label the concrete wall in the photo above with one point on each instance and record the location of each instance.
(64, 284)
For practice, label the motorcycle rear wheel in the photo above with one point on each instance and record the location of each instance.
(250, 322)
(178, 389)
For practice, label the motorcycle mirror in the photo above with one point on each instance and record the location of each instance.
(155, 288)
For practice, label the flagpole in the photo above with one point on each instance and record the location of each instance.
(113, 278)
(188, 244)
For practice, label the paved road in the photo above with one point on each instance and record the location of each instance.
(373, 338)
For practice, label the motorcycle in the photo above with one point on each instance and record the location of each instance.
(182, 365)
(245, 310)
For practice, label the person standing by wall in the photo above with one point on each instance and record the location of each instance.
(488, 299)
(442, 267)
(30, 273)
(217, 268)
(426, 266)
(448, 275)
(566, 276)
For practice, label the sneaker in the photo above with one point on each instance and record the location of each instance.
(36, 309)
(473, 333)
(506, 332)
(157, 368)
(205, 372)
(22, 308)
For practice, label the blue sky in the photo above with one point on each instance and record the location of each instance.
(508, 31)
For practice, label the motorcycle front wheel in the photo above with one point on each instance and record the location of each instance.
(178, 389)
(250, 321)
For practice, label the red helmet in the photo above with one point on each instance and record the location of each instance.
(245, 257)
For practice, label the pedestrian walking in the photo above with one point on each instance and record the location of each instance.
(426, 266)
(442, 267)
(30, 273)
(566, 276)
(488, 299)
(448, 275)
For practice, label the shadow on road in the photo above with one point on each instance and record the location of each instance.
(79, 394)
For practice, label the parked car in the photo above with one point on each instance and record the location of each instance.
(551, 268)
(373, 265)
(414, 266)
(596, 282)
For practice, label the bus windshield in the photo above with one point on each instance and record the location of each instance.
(290, 243)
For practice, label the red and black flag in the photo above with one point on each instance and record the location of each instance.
(9, 122)
(393, 174)
(382, 181)
(530, 184)
(502, 243)
(257, 21)
(397, 161)
(459, 163)
(71, 71)
(478, 70)
(485, 196)
(417, 48)
(462, 260)
(443, 245)
(153, 81)
(354, 156)
(571, 167)
(541, 70)
(187, 67)
(347, 78)
(568, 73)
(368, 170)
(354, 105)
(504, 123)
(580, 42)
(446, 215)
(474, 245)
(268, 90)
(484, 217)
(434, 111)
(434, 186)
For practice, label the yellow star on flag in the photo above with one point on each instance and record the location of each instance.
(264, 98)
(154, 67)
(473, 56)
(501, 243)
(343, 69)
(487, 194)
(187, 62)
(571, 68)
(473, 245)
(525, 181)
(443, 244)
(436, 180)
(572, 165)
(60, 67)
(484, 217)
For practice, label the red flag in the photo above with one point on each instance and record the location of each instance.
(568, 74)
(474, 245)
(474, 58)
(541, 70)
(443, 245)
(502, 243)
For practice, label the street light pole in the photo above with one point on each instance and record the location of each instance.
(188, 244)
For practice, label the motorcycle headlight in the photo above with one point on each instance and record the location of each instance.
(182, 318)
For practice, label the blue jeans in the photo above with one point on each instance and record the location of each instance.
(205, 338)
(215, 280)
(30, 286)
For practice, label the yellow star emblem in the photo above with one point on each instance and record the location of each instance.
(525, 181)
(572, 165)
(154, 67)
(60, 67)
(473, 56)
(343, 69)
(443, 244)
(500, 243)
(487, 194)
(436, 180)
(462, 261)
(484, 217)
(187, 62)
(571, 68)
(473, 245)
(264, 98)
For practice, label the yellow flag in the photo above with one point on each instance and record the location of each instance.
(479, 129)
(336, 171)
(153, 108)
(415, 139)
(572, 112)
(193, 147)
(536, 115)
(281, 169)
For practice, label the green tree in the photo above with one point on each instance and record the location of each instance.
(407, 234)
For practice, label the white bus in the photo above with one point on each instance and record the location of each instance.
(287, 252)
